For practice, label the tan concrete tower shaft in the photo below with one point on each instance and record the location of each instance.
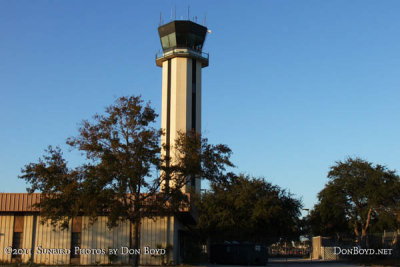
(181, 102)
(181, 61)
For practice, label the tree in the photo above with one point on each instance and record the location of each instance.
(359, 195)
(123, 170)
(248, 209)
(328, 217)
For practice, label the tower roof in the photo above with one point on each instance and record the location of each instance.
(182, 34)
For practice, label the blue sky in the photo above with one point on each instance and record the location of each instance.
(292, 86)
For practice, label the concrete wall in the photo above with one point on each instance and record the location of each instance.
(159, 232)
(316, 247)
(321, 252)
(177, 76)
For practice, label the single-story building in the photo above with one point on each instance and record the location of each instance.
(23, 237)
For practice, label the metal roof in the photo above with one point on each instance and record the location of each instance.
(24, 202)
(19, 202)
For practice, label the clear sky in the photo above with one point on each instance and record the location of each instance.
(292, 86)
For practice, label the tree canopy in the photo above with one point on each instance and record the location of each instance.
(360, 197)
(242, 208)
(123, 169)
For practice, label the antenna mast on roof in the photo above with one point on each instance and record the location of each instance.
(175, 13)
(160, 19)
(188, 12)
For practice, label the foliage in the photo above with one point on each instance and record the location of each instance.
(120, 177)
(359, 196)
(121, 149)
(196, 157)
(328, 217)
(248, 209)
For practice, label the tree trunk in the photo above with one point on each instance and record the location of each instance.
(357, 232)
(394, 241)
(136, 243)
(338, 237)
(365, 229)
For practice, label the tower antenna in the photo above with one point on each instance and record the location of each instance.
(205, 19)
(188, 12)
(160, 18)
(175, 13)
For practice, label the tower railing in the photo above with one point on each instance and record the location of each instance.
(176, 51)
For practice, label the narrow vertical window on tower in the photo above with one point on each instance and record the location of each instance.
(193, 179)
(193, 94)
(168, 130)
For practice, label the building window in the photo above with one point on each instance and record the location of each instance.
(17, 243)
(76, 238)
(18, 234)
(75, 242)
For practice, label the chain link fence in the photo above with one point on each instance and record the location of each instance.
(373, 247)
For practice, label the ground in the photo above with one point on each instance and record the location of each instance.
(303, 263)
(296, 264)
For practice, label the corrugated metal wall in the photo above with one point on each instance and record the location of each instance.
(27, 238)
(155, 233)
(51, 238)
(6, 235)
(99, 236)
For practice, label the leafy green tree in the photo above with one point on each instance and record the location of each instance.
(196, 157)
(328, 218)
(248, 209)
(123, 170)
(359, 195)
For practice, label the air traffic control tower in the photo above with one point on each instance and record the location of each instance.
(181, 60)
